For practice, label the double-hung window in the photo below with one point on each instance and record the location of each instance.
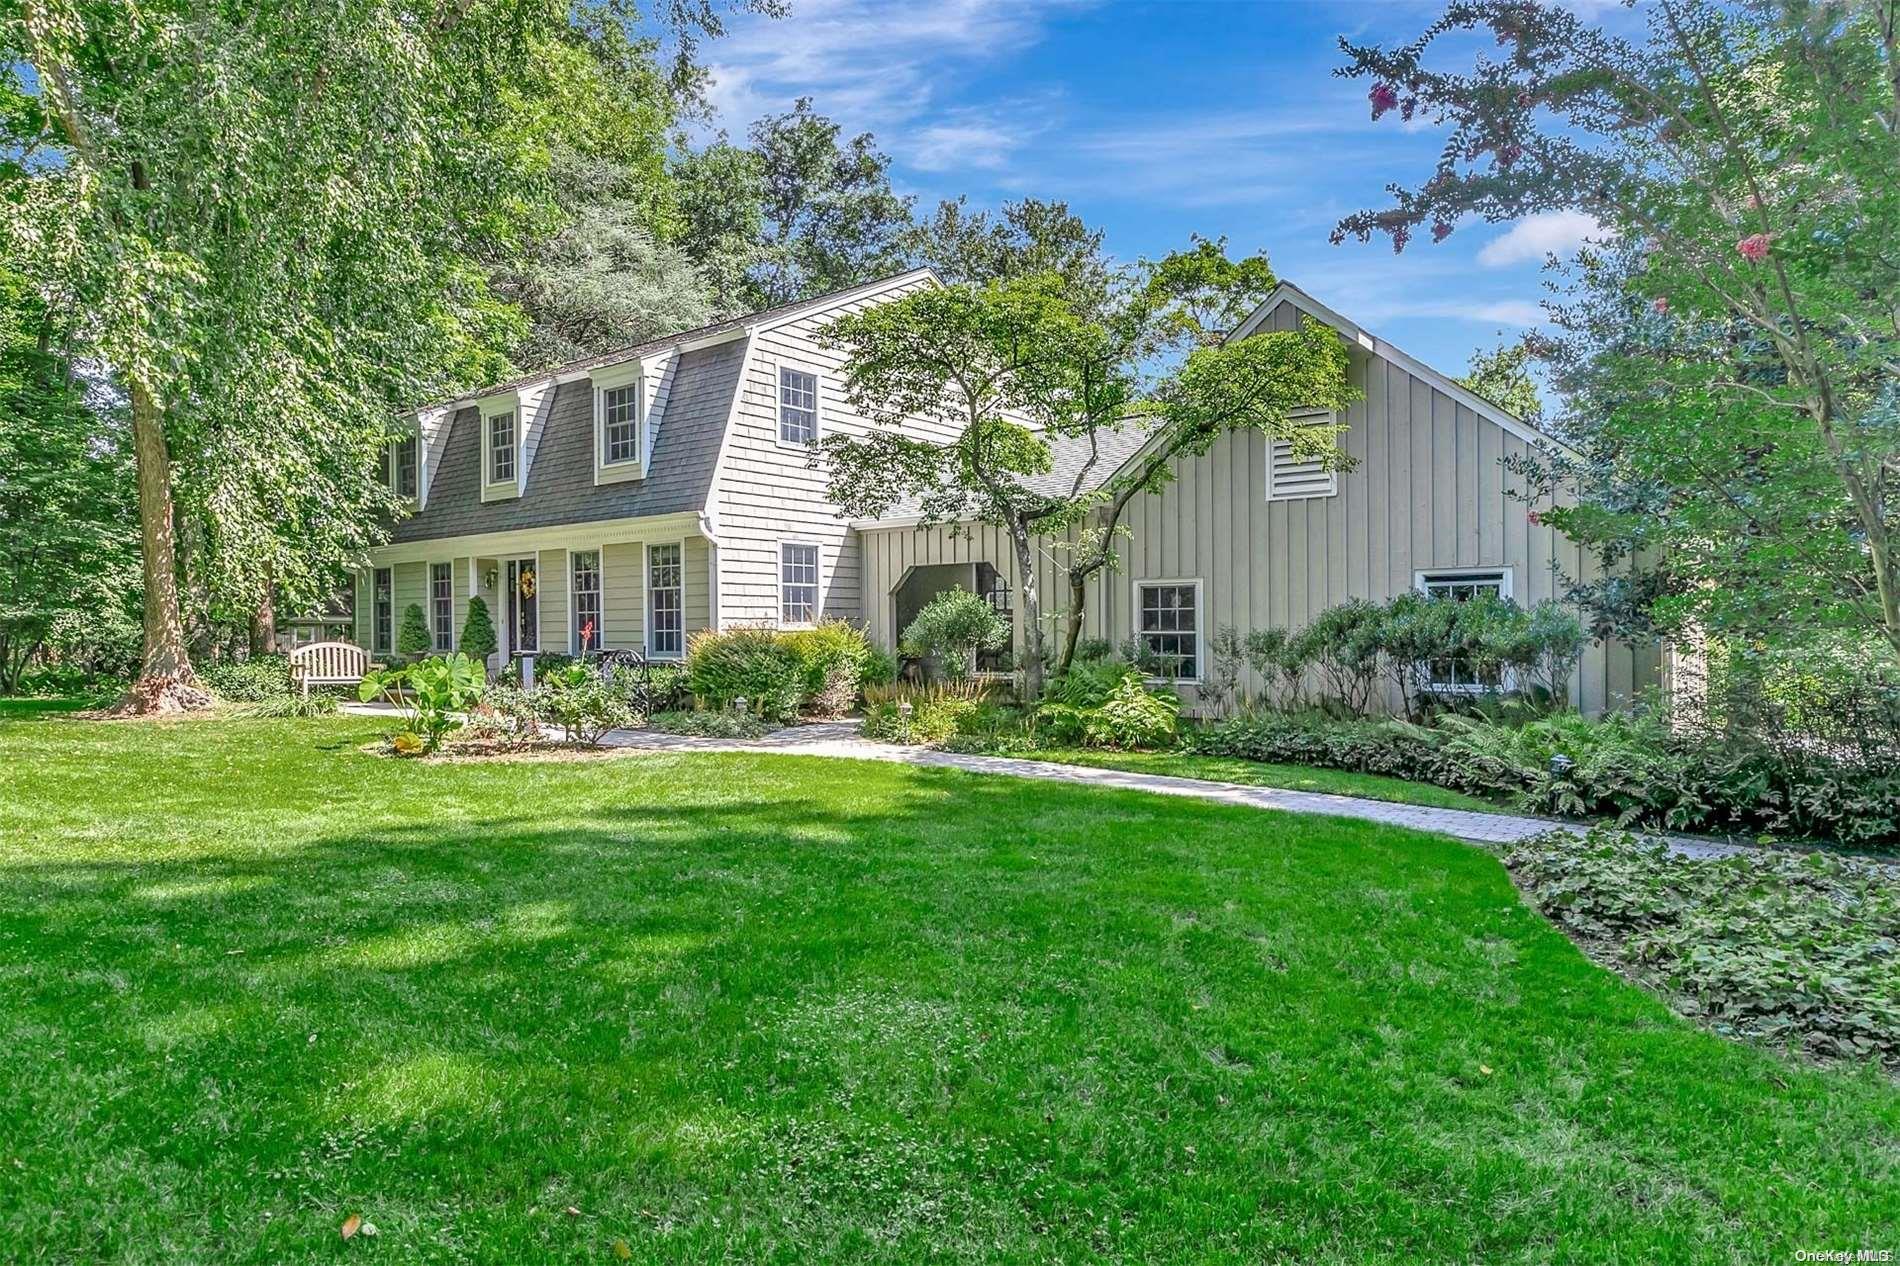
(441, 606)
(797, 406)
(1168, 626)
(501, 447)
(666, 602)
(797, 583)
(1458, 674)
(383, 611)
(620, 424)
(408, 467)
(586, 605)
(993, 587)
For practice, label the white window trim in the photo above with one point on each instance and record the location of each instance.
(1200, 624)
(422, 456)
(1506, 576)
(1303, 417)
(454, 633)
(500, 489)
(646, 582)
(818, 581)
(600, 578)
(611, 378)
(817, 406)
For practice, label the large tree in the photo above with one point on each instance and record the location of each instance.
(1021, 238)
(1012, 368)
(1736, 343)
(272, 216)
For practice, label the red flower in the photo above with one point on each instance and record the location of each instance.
(1441, 230)
(1659, 305)
(1536, 519)
(587, 635)
(1754, 247)
(1383, 97)
(1510, 154)
(1400, 236)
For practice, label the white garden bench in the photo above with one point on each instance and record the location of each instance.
(328, 664)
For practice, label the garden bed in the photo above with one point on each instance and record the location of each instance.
(1797, 950)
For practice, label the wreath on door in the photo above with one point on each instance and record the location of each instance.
(526, 584)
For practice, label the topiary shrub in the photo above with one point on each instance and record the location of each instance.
(478, 631)
(750, 662)
(413, 638)
(954, 628)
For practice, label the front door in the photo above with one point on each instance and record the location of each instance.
(524, 605)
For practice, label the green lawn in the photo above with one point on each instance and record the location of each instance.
(1253, 773)
(754, 1007)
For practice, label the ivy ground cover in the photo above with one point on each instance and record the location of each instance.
(259, 983)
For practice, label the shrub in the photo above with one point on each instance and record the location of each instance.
(430, 693)
(478, 631)
(1786, 948)
(751, 662)
(833, 655)
(252, 680)
(1374, 746)
(579, 700)
(545, 662)
(937, 713)
(413, 638)
(1343, 643)
(725, 725)
(1220, 679)
(954, 628)
(1272, 654)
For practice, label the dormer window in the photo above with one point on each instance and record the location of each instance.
(620, 423)
(501, 447)
(407, 481)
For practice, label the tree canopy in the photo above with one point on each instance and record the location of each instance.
(1012, 368)
(1732, 347)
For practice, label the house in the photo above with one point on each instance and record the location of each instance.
(632, 498)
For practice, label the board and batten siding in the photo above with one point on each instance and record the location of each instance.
(768, 492)
(1429, 490)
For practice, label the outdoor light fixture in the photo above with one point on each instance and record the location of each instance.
(903, 714)
(739, 705)
(1561, 765)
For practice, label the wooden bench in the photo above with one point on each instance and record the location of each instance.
(328, 664)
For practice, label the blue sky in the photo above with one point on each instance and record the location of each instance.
(1155, 121)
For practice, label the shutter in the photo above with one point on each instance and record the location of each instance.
(1288, 479)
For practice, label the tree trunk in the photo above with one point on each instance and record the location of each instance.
(264, 621)
(1072, 622)
(166, 682)
(1032, 611)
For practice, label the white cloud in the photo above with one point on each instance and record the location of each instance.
(963, 142)
(1509, 312)
(1535, 236)
(871, 66)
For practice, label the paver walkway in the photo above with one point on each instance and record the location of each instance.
(840, 739)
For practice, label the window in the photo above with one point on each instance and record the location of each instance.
(1168, 620)
(501, 448)
(993, 588)
(383, 475)
(797, 407)
(620, 424)
(383, 611)
(1291, 479)
(585, 578)
(666, 606)
(1458, 674)
(797, 584)
(441, 606)
(407, 468)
